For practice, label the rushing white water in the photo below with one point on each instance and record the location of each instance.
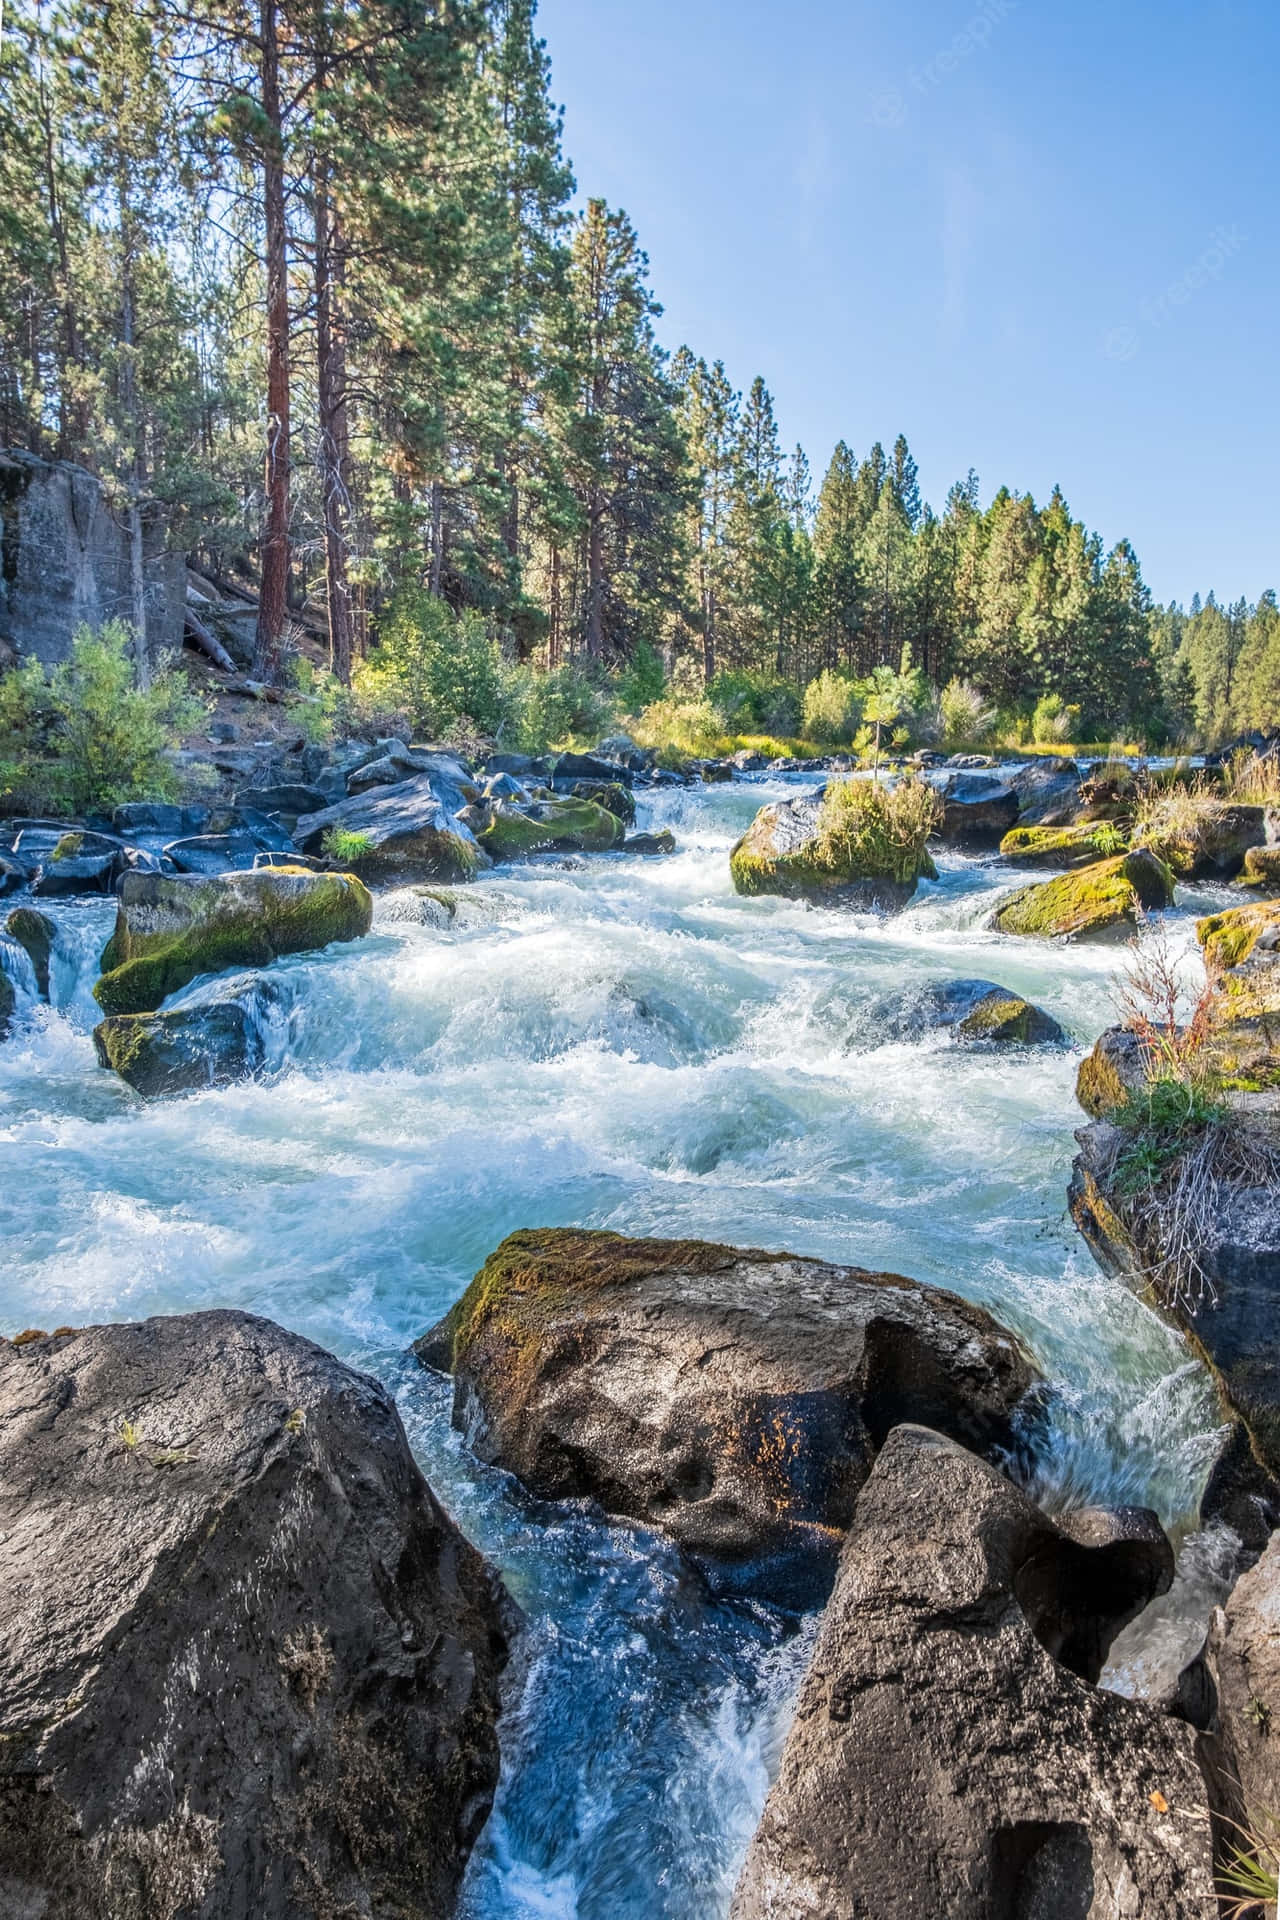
(617, 1042)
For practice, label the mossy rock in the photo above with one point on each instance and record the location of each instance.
(1261, 869)
(609, 794)
(579, 825)
(1006, 1019)
(1066, 847)
(1229, 939)
(1115, 1069)
(37, 933)
(169, 929)
(1100, 901)
(1214, 842)
(781, 852)
(191, 1047)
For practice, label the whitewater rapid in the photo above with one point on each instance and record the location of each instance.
(616, 1042)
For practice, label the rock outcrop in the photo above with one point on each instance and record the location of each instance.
(976, 807)
(783, 851)
(237, 1032)
(248, 1666)
(949, 1754)
(1102, 901)
(732, 1398)
(169, 929)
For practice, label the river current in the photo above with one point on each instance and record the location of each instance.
(618, 1042)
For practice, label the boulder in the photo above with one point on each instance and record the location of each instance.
(1240, 937)
(154, 817)
(615, 799)
(236, 1032)
(1047, 785)
(90, 873)
(782, 852)
(1236, 1678)
(582, 825)
(36, 934)
(620, 747)
(1065, 847)
(13, 874)
(1261, 869)
(411, 832)
(971, 1010)
(1103, 901)
(249, 1666)
(732, 1398)
(171, 928)
(664, 841)
(591, 766)
(950, 1754)
(1215, 840)
(214, 852)
(975, 806)
(1113, 1074)
(289, 798)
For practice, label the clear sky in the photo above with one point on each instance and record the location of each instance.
(1039, 240)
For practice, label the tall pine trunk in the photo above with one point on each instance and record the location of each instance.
(133, 428)
(335, 451)
(273, 605)
(595, 578)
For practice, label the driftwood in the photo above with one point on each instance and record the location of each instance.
(208, 642)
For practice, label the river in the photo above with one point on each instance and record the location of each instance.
(617, 1042)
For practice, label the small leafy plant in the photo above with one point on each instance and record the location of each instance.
(342, 844)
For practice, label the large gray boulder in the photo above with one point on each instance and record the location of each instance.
(950, 1755)
(978, 807)
(248, 1665)
(1049, 784)
(410, 830)
(237, 1030)
(733, 1398)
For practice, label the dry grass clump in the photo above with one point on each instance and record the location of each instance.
(874, 830)
(1176, 820)
(1253, 780)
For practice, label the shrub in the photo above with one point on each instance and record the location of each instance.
(754, 703)
(1053, 720)
(549, 709)
(875, 830)
(434, 667)
(682, 728)
(83, 736)
(1253, 780)
(643, 680)
(832, 709)
(965, 714)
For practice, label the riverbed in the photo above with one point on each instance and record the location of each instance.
(619, 1042)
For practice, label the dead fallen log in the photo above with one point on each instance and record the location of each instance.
(207, 642)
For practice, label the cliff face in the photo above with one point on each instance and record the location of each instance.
(64, 560)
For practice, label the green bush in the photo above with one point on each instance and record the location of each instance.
(435, 668)
(83, 737)
(832, 709)
(1053, 720)
(681, 728)
(344, 844)
(874, 830)
(550, 709)
(643, 680)
(965, 715)
(755, 703)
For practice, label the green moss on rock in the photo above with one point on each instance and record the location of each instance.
(1094, 901)
(575, 824)
(1261, 868)
(36, 933)
(791, 849)
(1229, 938)
(170, 929)
(1056, 846)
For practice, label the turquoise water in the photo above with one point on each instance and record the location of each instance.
(620, 1043)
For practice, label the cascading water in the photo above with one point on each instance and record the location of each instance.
(621, 1043)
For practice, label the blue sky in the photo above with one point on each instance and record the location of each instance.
(1041, 241)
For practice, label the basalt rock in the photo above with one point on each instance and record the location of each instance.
(782, 852)
(733, 1398)
(975, 806)
(410, 831)
(1235, 1684)
(248, 1666)
(36, 934)
(236, 1032)
(1049, 785)
(974, 1011)
(171, 928)
(1261, 869)
(1065, 847)
(578, 824)
(1102, 901)
(950, 1754)
(664, 841)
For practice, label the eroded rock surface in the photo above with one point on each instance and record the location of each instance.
(248, 1666)
(731, 1397)
(949, 1755)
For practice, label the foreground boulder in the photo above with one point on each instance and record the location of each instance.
(733, 1398)
(949, 1754)
(37, 935)
(784, 851)
(171, 928)
(1102, 901)
(1235, 1681)
(248, 1664)
(236, 1033)
(407, 831)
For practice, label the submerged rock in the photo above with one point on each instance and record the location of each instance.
(950, 1755)
(664, 841)
(236, 1034)
(971, 1010)
(171, 928)
(1104, 900)
(733, 1398)
(408, 830)
(249, 1665)
(783, 852)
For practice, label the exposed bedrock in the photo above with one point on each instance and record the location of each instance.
(248, 1665)
(950, 1755)
(733, 1398)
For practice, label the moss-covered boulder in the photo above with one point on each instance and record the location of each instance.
(1112, 1073)
(409, 831)
(171, 928)
(235, 1034)
(1096, 902)
(1261, 869)
(972, 1011)
(573, 824)
(786, 851)
(1230, 939)
(35, 933)
(609, 794)
(733, 1398)
(1065, 847)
